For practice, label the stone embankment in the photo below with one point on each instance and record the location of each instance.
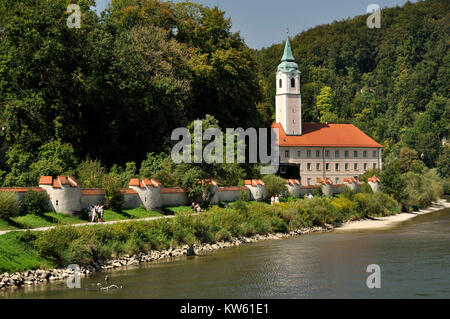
(35, 277)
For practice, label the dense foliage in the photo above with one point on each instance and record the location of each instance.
(36, 203)
(114, 89)
(9, 205)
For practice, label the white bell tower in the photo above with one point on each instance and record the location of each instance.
(288, 101)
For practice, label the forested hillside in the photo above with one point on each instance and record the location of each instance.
(114, 89)
(106, 97)
(392, 82)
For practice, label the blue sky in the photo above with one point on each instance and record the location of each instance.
(263, 22)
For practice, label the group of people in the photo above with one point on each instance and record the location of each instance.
(196, 207)
(274, 199)
(308, 196)
(96, 213)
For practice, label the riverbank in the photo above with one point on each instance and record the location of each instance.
(389, 221)
(105, 247)
(39, 276)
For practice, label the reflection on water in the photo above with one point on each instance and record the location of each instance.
(414, 258)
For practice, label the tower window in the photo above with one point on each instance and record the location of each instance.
(292, 83)
(280, 83)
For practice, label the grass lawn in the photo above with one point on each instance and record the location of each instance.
(134, 213)
(172, 210)
(34, 221)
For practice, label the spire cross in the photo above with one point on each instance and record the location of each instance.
(287, 31)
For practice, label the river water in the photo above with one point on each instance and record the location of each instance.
(414, 258)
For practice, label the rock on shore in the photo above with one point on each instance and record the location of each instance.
(35, 277)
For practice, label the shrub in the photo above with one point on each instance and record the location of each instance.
(113, 196)
(275, 185)
(9, 205)
(36, 203)
(223, 234)
(365, 188)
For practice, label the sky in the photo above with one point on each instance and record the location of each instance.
(263, 22)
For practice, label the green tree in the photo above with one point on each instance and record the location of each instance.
(443, 162)
(275, 185)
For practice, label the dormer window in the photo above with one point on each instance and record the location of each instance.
(280, 83)
(292, 83)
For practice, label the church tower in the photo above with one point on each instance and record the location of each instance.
(288, 104)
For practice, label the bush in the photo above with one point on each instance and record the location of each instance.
(275, 185)
(365, 188)
(113, 196)
(9, 205)
(36, 203)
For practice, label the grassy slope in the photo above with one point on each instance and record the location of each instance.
(17, 256)
(52, 219)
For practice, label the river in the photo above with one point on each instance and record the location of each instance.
(414, 258)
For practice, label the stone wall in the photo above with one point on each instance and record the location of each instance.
(67, 196)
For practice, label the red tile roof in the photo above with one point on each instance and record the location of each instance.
(144, 183)
(254, 182)
(172, 190)
(128, 191)
(232, 188)
(350, 180)
(326, 135)
(92, 191)
(63, 180)
(373, 179)
(72, 181)
(21, 189)
(209, 181)
(46, 180)
(324, 181)
(56, 183)
(293, 182)
(134, 182)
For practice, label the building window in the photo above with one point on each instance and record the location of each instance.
(327, 166)
(356, 166)
(365, 166)
(308, 153)
(355, 154)
(336, 166)
(292, 83)
(282, 169)
(374, 165)
(336, 154)
(327, 153)
(309, 181)
(308, 166)
(317, 153)
(280, 83)
(56, 202)
(318, 166)
(364, 154)
(337, 180)
(374, 153)
(346, 166)
(286, 154)
(346, 154)
(299, 153)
